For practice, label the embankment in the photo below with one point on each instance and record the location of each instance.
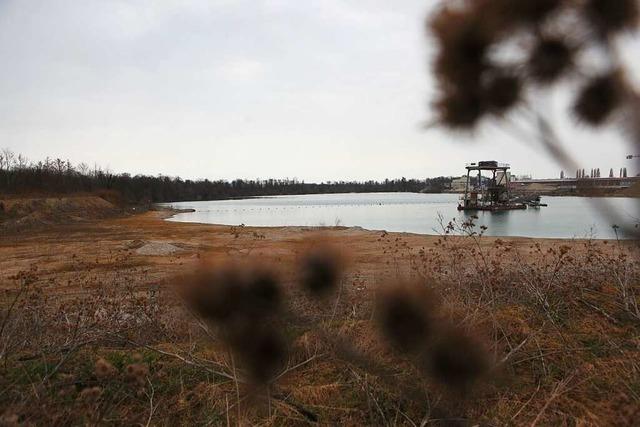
(20, 213)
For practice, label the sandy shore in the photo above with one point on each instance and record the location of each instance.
(161, 249)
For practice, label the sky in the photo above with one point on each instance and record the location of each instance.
(316, 90)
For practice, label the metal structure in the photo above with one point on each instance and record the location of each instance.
(488, 193)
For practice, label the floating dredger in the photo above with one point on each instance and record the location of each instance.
(488, 188)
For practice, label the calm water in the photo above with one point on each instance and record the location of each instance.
(565, 217)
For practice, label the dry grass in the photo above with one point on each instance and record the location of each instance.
(557, 321)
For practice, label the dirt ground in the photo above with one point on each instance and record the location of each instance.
(557, 317)
(113, 245)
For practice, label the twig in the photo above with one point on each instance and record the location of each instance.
(512, 352)
(235, 381)
(558, 390)
(226, 399)
(599, 310)
(152, 408)
(181, 358)
(286, 371)
(365, 387)
(526, 403)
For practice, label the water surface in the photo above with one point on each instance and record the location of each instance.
(565, 217)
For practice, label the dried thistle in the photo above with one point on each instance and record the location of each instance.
(232, 290)
(457, 360)
(463, 43)
(90, 394)
(243, 300)
(262, 352)
(215, 294)
(529, 11)
(137, 373)
(405, 317)
(262, 294)
(611, 16)
(10, 419)
(502, 91)
(460, 109)
(550, 58)
(103, 369)
(599, 98)
(321, 270)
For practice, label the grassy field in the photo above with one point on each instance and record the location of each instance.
(133, 320)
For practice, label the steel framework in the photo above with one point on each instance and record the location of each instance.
(489, 193)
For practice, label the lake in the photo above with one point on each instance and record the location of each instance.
(564, 217)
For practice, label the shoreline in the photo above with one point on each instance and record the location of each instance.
(170, 213)
(110, 245)
(321, 228)
(573, 195)
(55, 250)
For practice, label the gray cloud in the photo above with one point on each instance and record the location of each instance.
(321, 89)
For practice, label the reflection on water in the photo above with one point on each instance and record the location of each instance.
(565, 217)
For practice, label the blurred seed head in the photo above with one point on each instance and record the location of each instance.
(470, 85)
(230, 291)
(502, 91)
(137, 373)
(321, 270)
(469, 35)
(463, 43)
(90, 394)
(103, 369)
(215, 294)
(262, 292)
(9, 419)
(611, 16)
(405, 316)
(456, 359)
(529, 11)
(243, 299)
(262, 352)
(460, 109)
(550, 59)
(599, 98)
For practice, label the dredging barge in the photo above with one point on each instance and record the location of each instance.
(488, 193)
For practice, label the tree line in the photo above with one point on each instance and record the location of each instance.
(18, 175)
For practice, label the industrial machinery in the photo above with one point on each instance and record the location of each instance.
(487, 188)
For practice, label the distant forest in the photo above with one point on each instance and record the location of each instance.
(18, 175)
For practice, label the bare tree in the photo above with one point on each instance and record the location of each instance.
(22, 162)
(7, 159)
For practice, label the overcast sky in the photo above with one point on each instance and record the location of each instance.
(315, 89)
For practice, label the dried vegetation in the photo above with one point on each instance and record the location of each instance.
(469, 330)
(536, 44)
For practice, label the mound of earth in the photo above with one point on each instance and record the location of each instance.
(21, 213)
(157, 248)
